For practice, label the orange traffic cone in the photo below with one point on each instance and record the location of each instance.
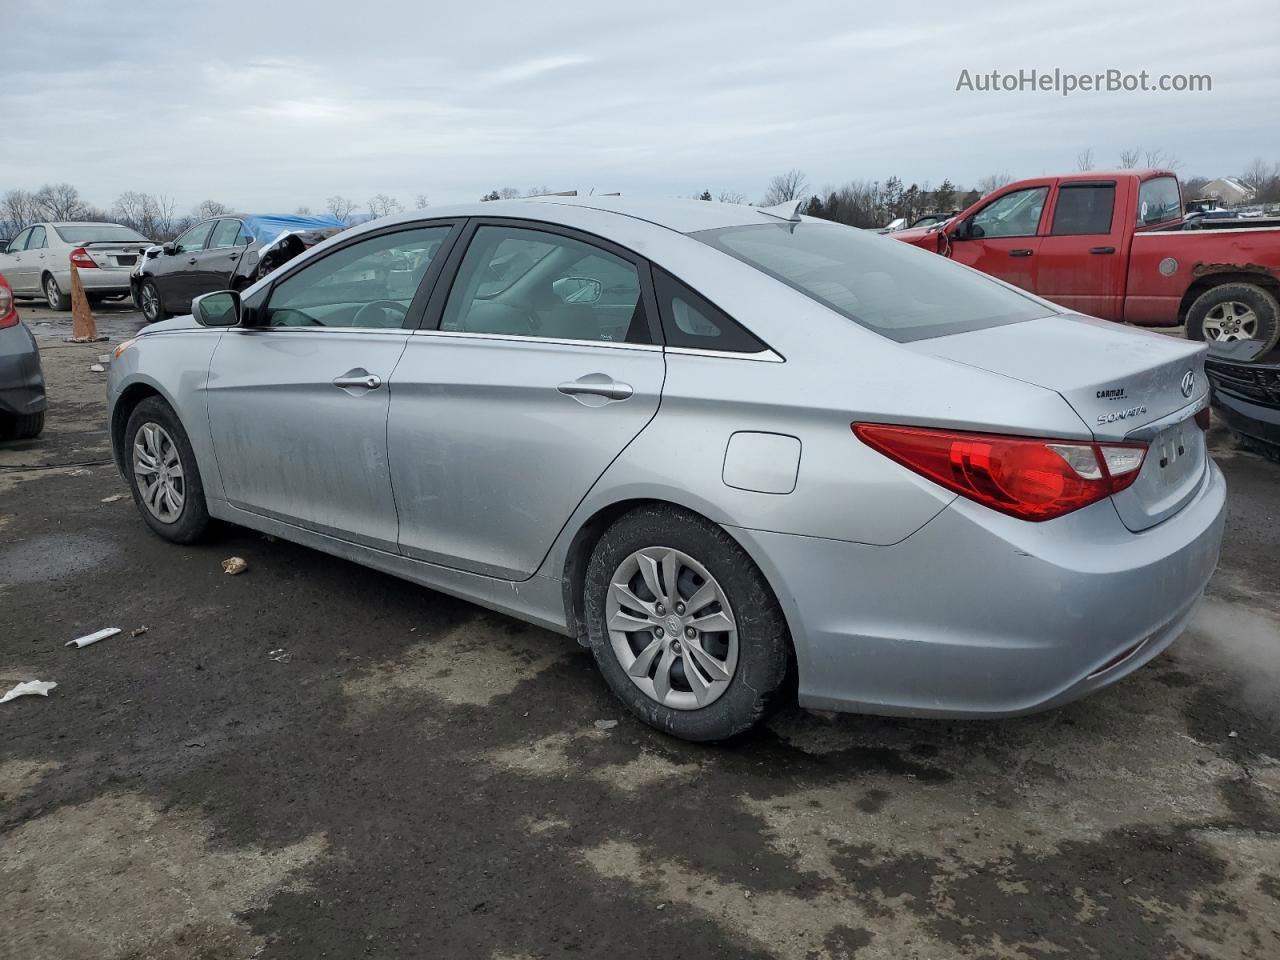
(83, 327)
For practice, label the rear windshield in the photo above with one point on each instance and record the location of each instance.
(891, 287)
(1158, 201)
(98, 232)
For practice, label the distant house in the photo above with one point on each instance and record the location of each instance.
(1231, 190)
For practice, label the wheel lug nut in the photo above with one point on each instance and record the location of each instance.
(661, 609)
(658, 632)
(690, 632)
(680, 608)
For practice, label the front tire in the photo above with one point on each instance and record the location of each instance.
(683, 626)
(152, 305)
(1235, 312)
(26, 426)
(54, 296)
(162, 473)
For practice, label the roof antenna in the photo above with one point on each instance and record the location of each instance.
(787, 210)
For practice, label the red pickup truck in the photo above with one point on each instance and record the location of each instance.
(1115, 245)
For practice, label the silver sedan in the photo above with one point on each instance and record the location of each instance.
(721, 446)
(37, 262)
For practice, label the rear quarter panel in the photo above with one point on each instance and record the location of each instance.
(1155, 295)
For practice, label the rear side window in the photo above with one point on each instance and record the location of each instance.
(1158, 201)
(1084, 209)
(690, 320)
(226, 234)
(891, 287)
(38, 239)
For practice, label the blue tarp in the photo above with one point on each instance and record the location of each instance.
(267, 226)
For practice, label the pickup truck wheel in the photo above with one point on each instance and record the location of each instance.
(1236, 313)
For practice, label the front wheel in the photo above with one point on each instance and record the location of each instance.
(24, 426)
(162, 473)
(54, 296)
(683, 626)
(1236, 313)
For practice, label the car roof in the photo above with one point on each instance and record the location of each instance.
(682, 216)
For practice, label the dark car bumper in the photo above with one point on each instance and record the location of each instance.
(21, 379)
(1247, 397)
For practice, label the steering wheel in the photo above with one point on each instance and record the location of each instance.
(395, 305)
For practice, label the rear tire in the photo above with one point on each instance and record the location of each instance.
(54, 296)
(694, 653)
(1232, 312)
(152, 305)
(154, 443)
(25, 426)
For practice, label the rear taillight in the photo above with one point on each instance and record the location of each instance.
(8, 310)
(80, 258)
(1023, 477)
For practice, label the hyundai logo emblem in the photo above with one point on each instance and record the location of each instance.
(1188, 383)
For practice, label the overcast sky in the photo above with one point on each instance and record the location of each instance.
(269, 106)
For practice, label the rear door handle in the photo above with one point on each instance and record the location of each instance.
(359, 378)
(1102, 249)
(1021, 252)
(596, 385)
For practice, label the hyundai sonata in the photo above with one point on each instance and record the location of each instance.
(718, 445)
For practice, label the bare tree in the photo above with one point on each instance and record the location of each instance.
(1261, 177)
(541, 191)
(993, 182)
(1165, 160)
(18, 211)
(421, 201)
(785, 187)
(151, 215)
(731, 196)
(382, 205)
(1128, 159)
(340, 208)
(209, 208)
(1084, 159)
(60, 201)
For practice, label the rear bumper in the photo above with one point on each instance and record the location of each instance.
(1247, 417)
(982, 615)
(21, 379)
(96, 280)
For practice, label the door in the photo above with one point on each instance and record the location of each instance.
(215, 263)
(298, 402)
(542, 368)
(13, 266)
(175, 274)
(1002, 237)
(1081, 263)
(36, 259)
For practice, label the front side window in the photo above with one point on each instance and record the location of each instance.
(366, 284)
(531, 283)
(1084, 209)
(194, 238)
(895, 289)
(226, 234)
(39, 240)
(19, 243)
(1015, 214)
(1158, 201)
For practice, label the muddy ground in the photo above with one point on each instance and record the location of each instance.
(316, 760)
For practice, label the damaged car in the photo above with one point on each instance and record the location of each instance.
(1246, 394)
(229, 252)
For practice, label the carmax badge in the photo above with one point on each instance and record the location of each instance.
(1121, 414)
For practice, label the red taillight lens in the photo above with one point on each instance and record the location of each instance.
(1023, 477)
(8, 311)
(81, 258)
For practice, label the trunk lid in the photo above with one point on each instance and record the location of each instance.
(1125, 384)
(114, 255)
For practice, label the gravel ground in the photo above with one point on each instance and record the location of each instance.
(312, 759)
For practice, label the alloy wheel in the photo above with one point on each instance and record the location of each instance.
(671, 627)
(157, 470)
(150, 302)
(1231, 321)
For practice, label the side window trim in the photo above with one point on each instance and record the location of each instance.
(440, 296)
(426, 286)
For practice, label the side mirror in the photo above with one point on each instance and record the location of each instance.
(168, 249)
(221, 309)
(961, 231)
(577, 289)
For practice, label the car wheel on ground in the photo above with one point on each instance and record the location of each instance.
(162, 473)
(53, 294)
(683, 625)
(149, 299)
(1235, 312)
(25, 426)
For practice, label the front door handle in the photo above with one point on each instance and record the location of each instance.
(362, 379)
(1102, 249)
(192, 260)
(596, 385)
(1021, 252)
